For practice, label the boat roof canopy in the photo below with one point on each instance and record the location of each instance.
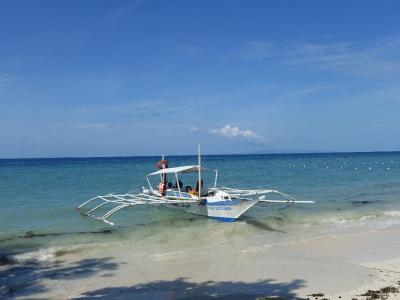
(182, 169)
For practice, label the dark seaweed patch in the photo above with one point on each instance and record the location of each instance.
(383, 293)
(316, 295)
(32, 234)
(361, 202)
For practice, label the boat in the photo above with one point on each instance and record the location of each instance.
(221, 203)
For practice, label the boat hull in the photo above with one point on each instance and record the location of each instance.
(228, 211)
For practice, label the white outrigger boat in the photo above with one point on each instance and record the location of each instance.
(222, 203)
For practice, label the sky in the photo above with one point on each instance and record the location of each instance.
(126, 78)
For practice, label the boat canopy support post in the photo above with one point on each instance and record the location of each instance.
(216, 179)
(150, 186)
(199, 163)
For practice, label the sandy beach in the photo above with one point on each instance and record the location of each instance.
(342, 267)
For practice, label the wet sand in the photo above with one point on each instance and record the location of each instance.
(338, 267)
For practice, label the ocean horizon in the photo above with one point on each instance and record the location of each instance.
(203, 154)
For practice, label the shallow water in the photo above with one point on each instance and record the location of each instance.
(353, 191)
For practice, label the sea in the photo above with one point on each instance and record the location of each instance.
(353, 192)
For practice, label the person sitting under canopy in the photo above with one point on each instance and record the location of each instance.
(178, 184)
(203, 189)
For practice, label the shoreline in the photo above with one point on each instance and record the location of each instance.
(345, 266)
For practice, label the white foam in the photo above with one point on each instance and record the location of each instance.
(41, 255)
(368, 217)
(167, 255)
(392, 213)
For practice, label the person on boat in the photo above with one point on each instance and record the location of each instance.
(178, 184)
(162, 164)
(162, 187)
(203, 190)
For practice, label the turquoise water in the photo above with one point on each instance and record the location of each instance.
(353, 191)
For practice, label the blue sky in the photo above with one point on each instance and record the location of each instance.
(101, 78)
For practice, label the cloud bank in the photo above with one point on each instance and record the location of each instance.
(377, 57)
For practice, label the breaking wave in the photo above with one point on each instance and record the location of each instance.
(371, 220)
(39, 255)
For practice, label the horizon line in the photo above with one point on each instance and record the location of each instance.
(217, 154)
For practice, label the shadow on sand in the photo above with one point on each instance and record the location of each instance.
(25, 280)
(182, 289)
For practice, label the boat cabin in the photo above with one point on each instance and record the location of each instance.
(173, 185)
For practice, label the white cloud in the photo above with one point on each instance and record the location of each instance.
(258, 50)
(123, 10)
(375, 57)
(92, 126)
(234, 132)
(193, 129)
(7, 79)
(189, 49)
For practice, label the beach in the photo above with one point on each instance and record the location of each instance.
(341, 267)
(342, 247)
(198, 150)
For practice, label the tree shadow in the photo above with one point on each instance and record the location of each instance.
(182, 289)
(17, 280)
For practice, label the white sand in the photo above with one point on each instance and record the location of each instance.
(342, 266)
